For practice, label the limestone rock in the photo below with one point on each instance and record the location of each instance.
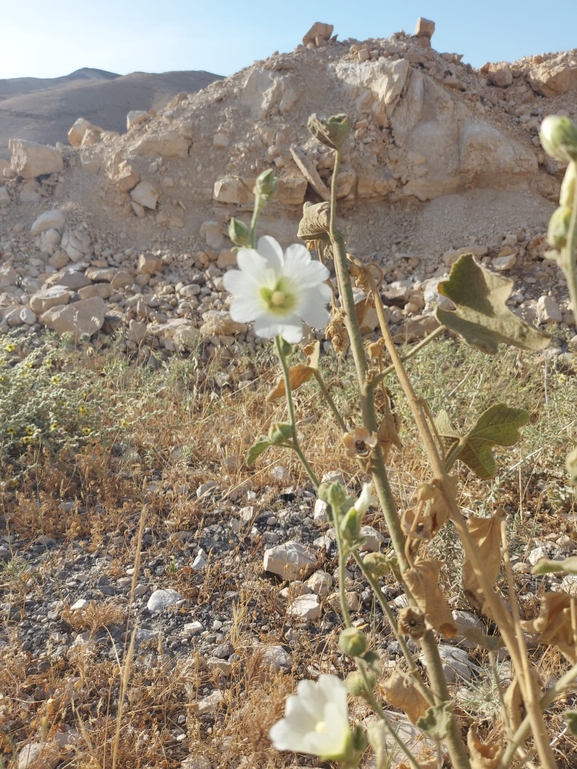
(49, 220)
(168, 146)
(39, 755)
(83, 317)
(498, 74)
(290, 560)
(77, 134)
(305, 607)
(548, 310)
(219, 323)
(77, 244)
(136, 117)
(145, 194)
(232, 189)
(292, 190)
(319, 34)
(149, 264)
(123, 176)
(320, 583)
(553, 77)
(49, 297)
(212, 233)
(424, 28)
(31, 160)
(163, 599)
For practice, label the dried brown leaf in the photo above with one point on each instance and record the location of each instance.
(298, 375)
(400, 691)
(484, 755)
(388, 433)
(486, 532)
(514, 705)
(553, 625)
(423, 582)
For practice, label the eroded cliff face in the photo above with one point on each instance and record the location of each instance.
(440, 158)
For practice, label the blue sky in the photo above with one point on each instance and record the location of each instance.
(48, 39)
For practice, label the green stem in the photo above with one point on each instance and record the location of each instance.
(407, 356)
(413, 669)
(342, 570)
(259, 204)
(291, 409)
(329, 400)
(569, 262)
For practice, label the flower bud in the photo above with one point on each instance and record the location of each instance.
(333, 494)
(279, 433)
(355, 683)
(266, 185)
(239, 234)
(377, 564)
(559, 228)
(353, 641)
(559, 137)
(567, 195)
(351, 525)
(331, 132)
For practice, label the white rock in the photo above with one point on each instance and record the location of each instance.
(374, 539)
(81, 603)
(170, 146)
(145, 194)
(193, 628)
(305, 607)
(537, 554)
(27, 316)
(77, 244)
(290, 561)
(161, 600)
(136, 117)
(548, 310)
(274, 657)
(295, 589)
(38, 755)
(49, 297)
(196, 762)
(320, 511)
(212, 234)
(49, 220)
(220, 140)
(31, 160)
(199, 563)
(504, 263)
(83, 317)
(210, 704)
(320, 583)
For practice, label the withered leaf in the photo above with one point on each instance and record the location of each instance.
(553, 625)
(481, 315)
(388, 433)
(514, 706)
(486, 533)
(400, 691)
(423, 582)
(484, 755)
(298, 374)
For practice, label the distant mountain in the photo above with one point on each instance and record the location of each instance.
(43, 109)
(17, 86)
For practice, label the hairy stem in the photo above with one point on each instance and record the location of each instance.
(291, 409)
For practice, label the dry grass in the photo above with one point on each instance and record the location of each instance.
(163, 434)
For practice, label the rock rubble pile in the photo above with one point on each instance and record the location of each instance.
(126, 234)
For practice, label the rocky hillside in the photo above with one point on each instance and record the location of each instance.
(43, 109)
(442, 158)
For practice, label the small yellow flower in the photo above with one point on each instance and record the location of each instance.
(82, 410)
(123, 423)
(10, 347)
(30, 430)
(27, 439)
(55, 379)
(86, 430)
(360, 442)
(54, 426)
(11, 431)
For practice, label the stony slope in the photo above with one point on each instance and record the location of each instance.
(441, 157)
(43, 110)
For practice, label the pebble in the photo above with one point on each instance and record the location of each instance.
(290, 561)
(163, 599)
(305, 607)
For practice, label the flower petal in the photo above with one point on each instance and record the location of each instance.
(252, 264)
(271, 251)
(312, 308)
(268, 326)
(300, 267)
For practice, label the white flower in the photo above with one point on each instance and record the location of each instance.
(316, 720)
(366, 499)
(278, 291)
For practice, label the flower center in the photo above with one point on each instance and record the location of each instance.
(278, 299)
(321, 727)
